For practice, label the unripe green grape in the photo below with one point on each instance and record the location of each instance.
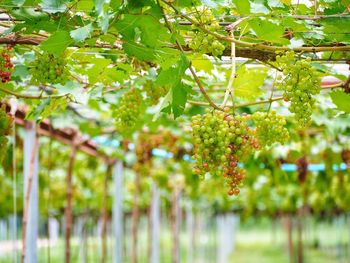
(46, 68)
(270, 128)
(128, 110)
(300, 83)
(201, 41)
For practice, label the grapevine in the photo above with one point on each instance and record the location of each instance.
(220, 141)
(5, 130)
(47, 68)
(300, 83)
(128, 110)
(6, 66)
(270, 128)
(203, 42)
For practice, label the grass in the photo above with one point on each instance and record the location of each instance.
(256, 242)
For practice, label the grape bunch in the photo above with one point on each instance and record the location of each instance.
(6, 66)
(220, 141)
(47, 68)
(128, 110)
(270, 128)
(153, 92)
(6, 122)
(300, 83)
(201, 41)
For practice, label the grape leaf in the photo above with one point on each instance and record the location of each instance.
(57, 43)
(53, 6)
(80, 34)
(172, 76)
(267, 30)
(341, 100)
(201, 62)
(151, 32)
(243, 6)
(248, 81)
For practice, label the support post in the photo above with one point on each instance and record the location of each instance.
(155, 224)
(135, 219)
(118, 225)
(190, 232)
(175, 224)
(68, 213)
(105, 214)
(31, 209)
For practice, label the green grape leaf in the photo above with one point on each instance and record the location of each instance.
(179, 99)
(267, 30)
(341, 100)
(243, 6)
(172, 76)
(247, 86)
(80, 34)
(176, 98)
(201, 62)
(57, 43)
(86, 5)
(337, 29)
(53, 6)
(139, 51)
(166, 102)
(94, 73)
(150, 31)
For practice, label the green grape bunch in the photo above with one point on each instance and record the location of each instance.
(300, 84)
(220, 142)
(6, 122)
(47, 68)
(128, 110)
(203, 42)
(153, 92)
(270, 128)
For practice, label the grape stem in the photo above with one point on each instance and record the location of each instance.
(27, 96)
(257, 45)
(270, 100)
(193, 72)
(230, 89)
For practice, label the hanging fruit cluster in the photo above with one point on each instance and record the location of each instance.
(6, 66)
(153, 92)
(301, 82)
(221, 141)
(128, 110)
(270, 128)
(204, 42)
(6, 123)
(47, 68)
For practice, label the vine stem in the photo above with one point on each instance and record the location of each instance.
(257, 45)
(270, 100)
(229, 89)
(26, 96)
(192, 70)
